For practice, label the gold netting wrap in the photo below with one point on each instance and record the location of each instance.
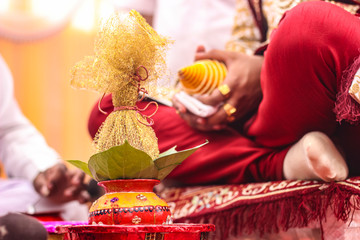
(129, 56)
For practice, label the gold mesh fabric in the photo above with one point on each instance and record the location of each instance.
(126, 48)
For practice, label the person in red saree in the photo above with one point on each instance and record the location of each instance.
(290, 128)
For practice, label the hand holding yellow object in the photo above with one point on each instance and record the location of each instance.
(202, 77)
(235, 97)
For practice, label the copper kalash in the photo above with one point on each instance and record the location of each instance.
(126, 50)
(129, 59)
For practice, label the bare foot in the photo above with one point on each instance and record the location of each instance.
(315, 157)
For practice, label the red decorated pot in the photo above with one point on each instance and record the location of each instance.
(129, 201)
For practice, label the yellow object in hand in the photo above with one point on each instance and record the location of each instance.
(202, 77)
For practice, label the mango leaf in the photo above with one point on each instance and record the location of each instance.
(119, 162)
(82, 165)
(170, 159)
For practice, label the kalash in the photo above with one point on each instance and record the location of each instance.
(129, 59)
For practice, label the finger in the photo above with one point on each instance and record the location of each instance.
(213, 54)
(200, 49)
(205, 125)
(77, 177)
(213, 99)
(78, 192)
(44, 191)
(178, 106)
(84, 197)
(71, 191)
(221, 93)
(40, 185)
(229, 108)
(223, 116)
(199, 123)
(192, 120)
(55, 175)
(188, 117)
(217, 121)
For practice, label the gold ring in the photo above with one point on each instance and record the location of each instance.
(224, 90)
(229, 110)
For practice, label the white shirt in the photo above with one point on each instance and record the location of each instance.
(23, 150)
(24, 153)
(189, 23)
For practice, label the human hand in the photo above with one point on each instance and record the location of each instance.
(243, 81)
(61, 185)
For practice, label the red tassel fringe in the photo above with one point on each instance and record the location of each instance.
(283, 213)
(346, 108)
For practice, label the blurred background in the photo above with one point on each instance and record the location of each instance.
(41, 40)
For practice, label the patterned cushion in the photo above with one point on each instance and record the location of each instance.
(263, 207)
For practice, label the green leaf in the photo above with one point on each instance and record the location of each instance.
(119, 162)
(149, 173)
(82, 165)
(127, 162)
(170, 159)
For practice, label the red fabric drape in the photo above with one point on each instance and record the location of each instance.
(302, 72)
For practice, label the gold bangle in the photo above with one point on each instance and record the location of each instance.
(224, 90)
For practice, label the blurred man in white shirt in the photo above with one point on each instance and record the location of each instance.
(38, 182)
